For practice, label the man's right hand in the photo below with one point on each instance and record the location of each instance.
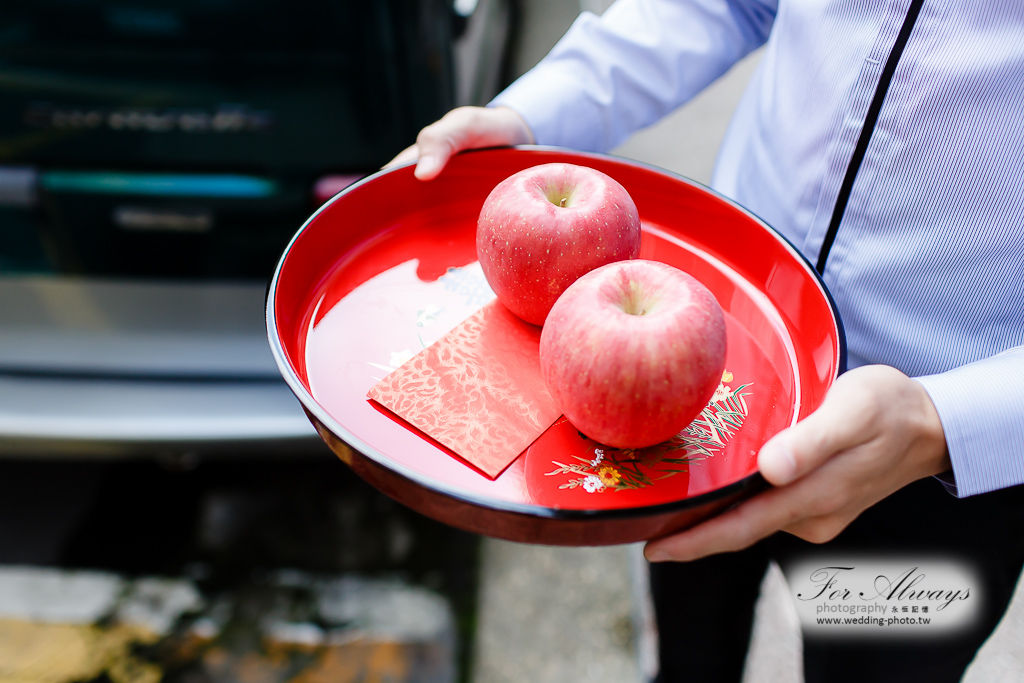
(463, 128)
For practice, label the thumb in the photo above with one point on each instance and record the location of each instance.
(777, 460)
(797, 451)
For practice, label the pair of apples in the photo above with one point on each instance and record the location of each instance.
(630, 349)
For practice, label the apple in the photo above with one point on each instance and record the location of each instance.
(633, 351)
(542, 228)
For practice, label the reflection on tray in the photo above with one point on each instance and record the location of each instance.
(612, 469)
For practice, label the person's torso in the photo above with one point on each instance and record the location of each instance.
(927, 265)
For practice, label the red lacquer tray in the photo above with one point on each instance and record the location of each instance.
(388, 266)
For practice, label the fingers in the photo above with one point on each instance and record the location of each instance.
(467, 128)
(460, 129)
(777, 461)
(847, 417)
(820, 529)
(815, 508)
(799, 450)
(733, 530)
(410, 153)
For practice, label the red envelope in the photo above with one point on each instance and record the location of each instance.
(478, 390)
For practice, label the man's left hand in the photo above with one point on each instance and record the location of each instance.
(876, 431)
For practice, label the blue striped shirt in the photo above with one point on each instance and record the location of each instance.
(927, 262)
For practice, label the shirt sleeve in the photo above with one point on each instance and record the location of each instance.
(612, 75)
(981, 406)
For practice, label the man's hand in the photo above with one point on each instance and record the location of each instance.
(459, 129)
(876, 432)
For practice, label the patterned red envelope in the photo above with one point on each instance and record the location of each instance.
(478, 390)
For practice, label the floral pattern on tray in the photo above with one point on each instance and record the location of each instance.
(613, 469)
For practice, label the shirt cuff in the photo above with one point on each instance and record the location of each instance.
(981, 407)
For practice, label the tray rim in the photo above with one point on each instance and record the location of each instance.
(310, 404)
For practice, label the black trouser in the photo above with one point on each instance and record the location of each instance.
(705, 608)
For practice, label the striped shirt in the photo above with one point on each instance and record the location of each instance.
(885, 139)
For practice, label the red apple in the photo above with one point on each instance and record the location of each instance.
(542, 228)
(633, 351)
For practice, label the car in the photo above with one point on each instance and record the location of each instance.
(155, 159)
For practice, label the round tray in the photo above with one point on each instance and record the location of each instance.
(388, 266)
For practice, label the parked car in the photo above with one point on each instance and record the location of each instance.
(155, 158)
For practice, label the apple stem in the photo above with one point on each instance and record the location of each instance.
(562, 203)
(635, 302)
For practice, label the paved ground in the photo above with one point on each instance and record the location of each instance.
(549, 615)
(555, 614)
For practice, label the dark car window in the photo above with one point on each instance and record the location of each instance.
(121, 106)
(273, 83)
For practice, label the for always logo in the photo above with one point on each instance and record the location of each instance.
(888, 597)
